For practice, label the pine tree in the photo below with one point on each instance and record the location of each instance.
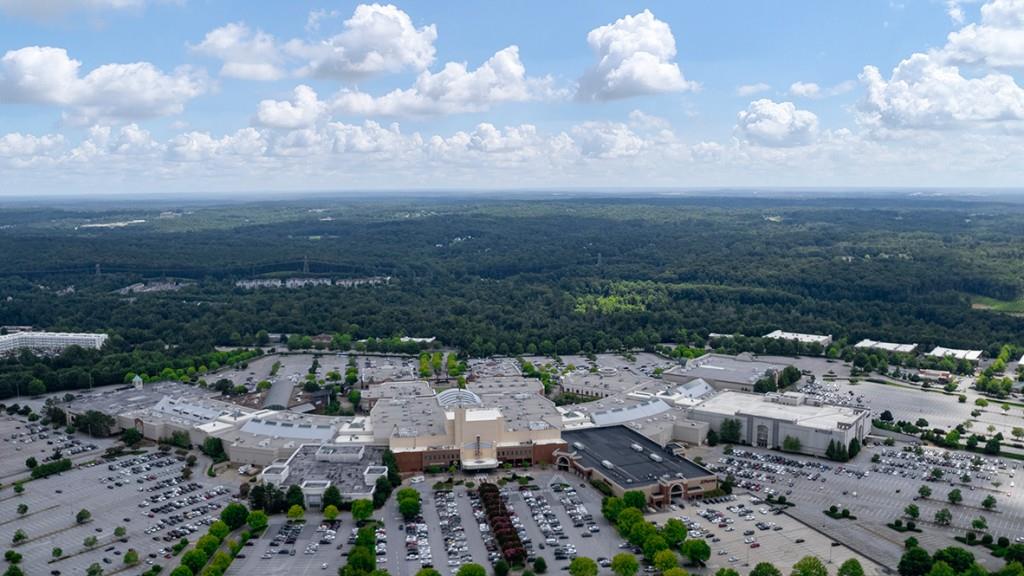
(840, 453)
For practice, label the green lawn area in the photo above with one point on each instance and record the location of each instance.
(1008, 306)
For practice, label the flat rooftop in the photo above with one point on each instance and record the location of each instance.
(824, 417)
(941, 352)
(742, 369)
(520, 402)
(639, 365)
(191, 411)
(304, 468)
(128, 398)
(688, 394)
(408, 417)
(799, 337)
(292, 425)
(631, 468)
(605, 381)
(887, 346)
(517, 399)
(340, 449)
(493, 367)
(284, 430)
(644, 410)
(400, 389)
(373, 369)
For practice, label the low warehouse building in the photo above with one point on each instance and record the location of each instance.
(955, 353)
(724, 372)
(628, 460)
(819, 339)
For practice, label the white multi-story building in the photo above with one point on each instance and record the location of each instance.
(49, 341)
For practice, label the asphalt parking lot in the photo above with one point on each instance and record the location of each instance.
(53, 503)
(454, 536)
(21, 439)
(783, 546)
(780, 539)
(877, 493)
(641, 368)
(314, 551)
(397, 563)
(906, 401)
(291, 373)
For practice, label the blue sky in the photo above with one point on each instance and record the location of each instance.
(138, 96)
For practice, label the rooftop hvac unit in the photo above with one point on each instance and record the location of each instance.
(637, 447)
(656, 458)
(607, 464)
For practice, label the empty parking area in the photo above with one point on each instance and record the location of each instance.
(143, 493)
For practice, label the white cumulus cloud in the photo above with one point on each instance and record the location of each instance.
(607, 140)
(377, 38)
(18, 144)
(46, 75)
(997, 41)
(104, 141)
(198, 146)
(804, 90)
(924, 93)
(246, 54)
(635, 56)
(776, 124)
(302, 111)
(955, 11)
(454, 89)
(371, 138)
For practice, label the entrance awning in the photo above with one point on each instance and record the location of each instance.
(480, 464)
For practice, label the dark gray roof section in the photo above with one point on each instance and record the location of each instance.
(631, 467)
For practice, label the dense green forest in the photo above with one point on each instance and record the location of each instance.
(509, 276)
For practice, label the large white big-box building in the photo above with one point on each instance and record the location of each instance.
(766, 421)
